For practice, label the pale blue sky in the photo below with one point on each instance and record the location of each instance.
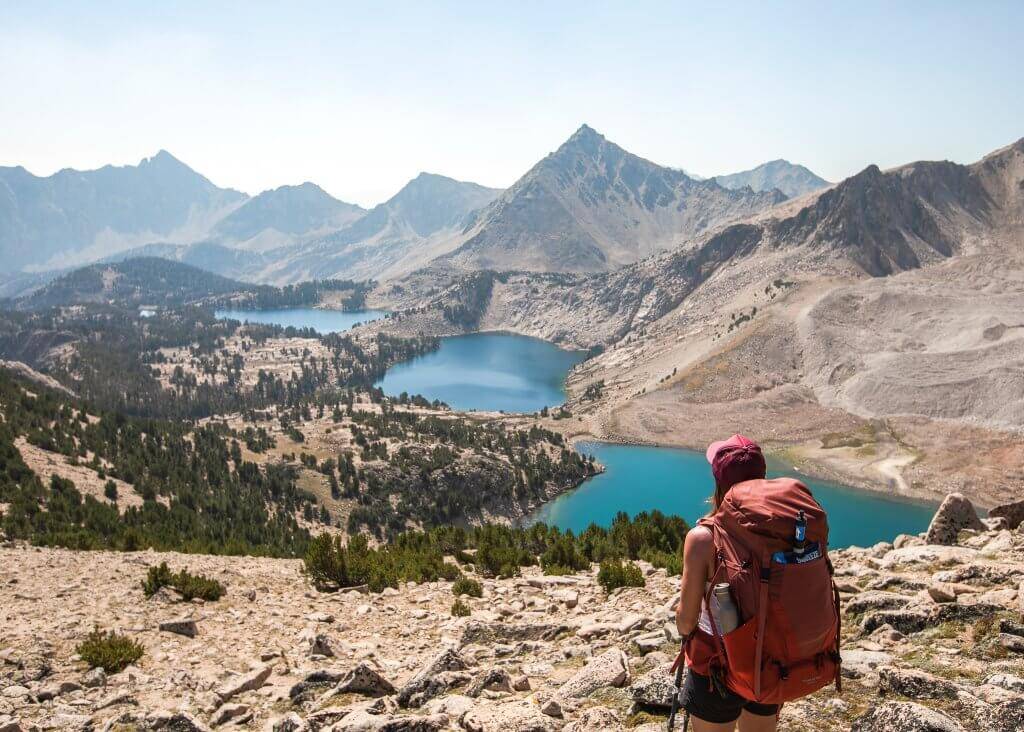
(361, 97)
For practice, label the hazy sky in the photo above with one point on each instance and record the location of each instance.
(360, 98)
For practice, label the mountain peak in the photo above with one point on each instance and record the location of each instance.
(162, 157)
(586, 134)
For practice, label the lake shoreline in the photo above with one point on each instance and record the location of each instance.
(780, 457)
(677, 481)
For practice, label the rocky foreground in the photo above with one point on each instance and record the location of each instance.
(933, 640)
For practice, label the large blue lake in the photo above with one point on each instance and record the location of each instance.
(679, 482)
(487, 371)
(500, 371)
(322, 321)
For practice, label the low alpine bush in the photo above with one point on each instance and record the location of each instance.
(466, 586)
(109, 651)
(189, 585)
(615, 573)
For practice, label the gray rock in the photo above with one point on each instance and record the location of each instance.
(905, 621)
(246, 682)
(9, 724)
(426, 684)
(312, 682)
(980, 574)
(182, 626)
(954, 514)
(1013, 513)
(650, 641)
(363, 679)
(915, 684)
(362, 720)
(516, 716)
(94, 678)
(228, 712)
(490, 633)
(964, 611)
(654, 689)
(875, 600)
(928, 554)
(904, 717)
(290, 722)
(1011, 642)
(858, 662)
(1006, 681)
(942, 591)
(320, 645)
(595, 718)
(174, 722)
(1008, 716)
(521, 683)
(611, 668)
(1009, 626)
(495, 679)
(552, 708)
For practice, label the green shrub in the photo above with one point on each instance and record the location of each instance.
(189, 585)
(614, 573)
(460, 609)
(332, 565)
(466, 586)
(109, 651)
(564, 554)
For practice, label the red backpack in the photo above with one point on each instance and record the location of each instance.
(787, 643)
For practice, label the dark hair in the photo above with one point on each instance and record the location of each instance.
(734, 465)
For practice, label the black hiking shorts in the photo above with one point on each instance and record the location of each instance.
(701, 700)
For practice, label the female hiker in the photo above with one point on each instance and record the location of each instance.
(758, 611)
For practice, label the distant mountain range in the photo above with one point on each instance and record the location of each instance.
(793, 180)
(590, 206)
(75, 216)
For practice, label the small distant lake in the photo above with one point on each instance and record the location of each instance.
(487, 372)
(322, 321)
(677, 481)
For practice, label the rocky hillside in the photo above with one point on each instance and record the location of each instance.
(591, 206)
(932, 640)
(793, 180)
(78, 216)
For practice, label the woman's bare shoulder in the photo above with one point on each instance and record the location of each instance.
(699, 543)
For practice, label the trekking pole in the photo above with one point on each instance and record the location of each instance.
(679, 664)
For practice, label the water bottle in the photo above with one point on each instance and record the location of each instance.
(727, 616)
(800, 535)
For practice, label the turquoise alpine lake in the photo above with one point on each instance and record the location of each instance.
(677, 481)
(513, 373)
(322, 321)
(488, 372)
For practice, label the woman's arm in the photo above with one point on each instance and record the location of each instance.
(698, 553)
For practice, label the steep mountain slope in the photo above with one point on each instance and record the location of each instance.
(793, 180)
(398, 235)
(591, 206)
(73, 216)
(284, 215)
